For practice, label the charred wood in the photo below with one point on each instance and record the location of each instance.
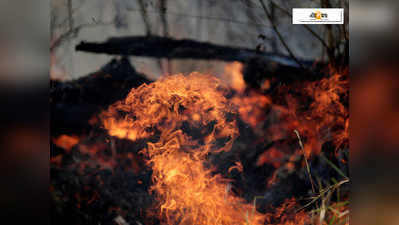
(74, 102)
(165, 47)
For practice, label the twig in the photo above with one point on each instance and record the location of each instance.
(304, 25)
(143, 12)
(251, 15)
(306, 161)
(66, 20)
(54, 44)
(72, 32)
(279, 35)
(273, 17)
(165, 25)
(332, 187)
(331, 41)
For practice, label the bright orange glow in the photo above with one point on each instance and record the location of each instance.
(189, 116)
(66, 142)
(251, 105)
(233, 76)
(252, 108)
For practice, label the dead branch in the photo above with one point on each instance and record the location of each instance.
(304, 25)
(163, 47)
(269, 16)
(144, 15)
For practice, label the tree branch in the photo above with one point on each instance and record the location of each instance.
(279, 35)
(304, 25)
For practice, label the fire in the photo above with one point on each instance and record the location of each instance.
(252, 108)
(271, 156)
(233, 76)
(66, 142)
(185, 118)
(328, 110)
(251, 104)
(316, 109)
(286, 215)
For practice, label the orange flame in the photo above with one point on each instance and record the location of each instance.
(233, 76)
(251, 105)
(185, 118)
(315, 109)
(66, 142)
(189, 118)
(325, 118)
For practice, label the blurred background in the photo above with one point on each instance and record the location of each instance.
(374, 112)
(24, 72)
(27, 35)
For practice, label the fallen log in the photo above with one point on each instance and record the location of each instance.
(164, 47)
